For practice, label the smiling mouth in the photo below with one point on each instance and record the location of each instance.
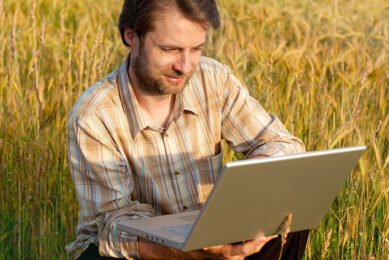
(174, 79)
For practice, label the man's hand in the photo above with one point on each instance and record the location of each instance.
(238, 251)
(150, 250)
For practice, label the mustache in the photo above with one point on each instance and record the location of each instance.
(174, 73)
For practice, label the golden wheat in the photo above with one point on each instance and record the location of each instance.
(320, 66)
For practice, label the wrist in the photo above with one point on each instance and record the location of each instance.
(150, 250)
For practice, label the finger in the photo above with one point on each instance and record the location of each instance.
(212, 248)
(271, 237)
(258, 240)
(262, 242)
(258, 248)
(250, 247)
(260, 235)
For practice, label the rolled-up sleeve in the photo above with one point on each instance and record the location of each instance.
(248, 128)
(103, 183)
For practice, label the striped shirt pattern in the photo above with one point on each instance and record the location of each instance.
(124, 168)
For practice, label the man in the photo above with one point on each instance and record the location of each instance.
(145, 140)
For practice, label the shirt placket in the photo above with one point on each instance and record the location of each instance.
(177, 171)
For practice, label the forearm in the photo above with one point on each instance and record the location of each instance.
(237, 251)
(149, 250)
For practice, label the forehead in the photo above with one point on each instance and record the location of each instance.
(172, 28)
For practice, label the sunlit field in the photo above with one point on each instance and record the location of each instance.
(321, 66)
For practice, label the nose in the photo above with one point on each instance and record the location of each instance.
(183, 63)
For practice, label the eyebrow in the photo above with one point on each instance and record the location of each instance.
(172, 46)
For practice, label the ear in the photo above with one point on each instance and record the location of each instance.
(131, 38)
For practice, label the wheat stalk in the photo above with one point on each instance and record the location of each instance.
(326, 244)
(340, 97)
(285, 232)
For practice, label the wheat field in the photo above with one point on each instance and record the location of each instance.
(321, 66)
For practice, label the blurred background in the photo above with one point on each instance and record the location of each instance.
(322, 66)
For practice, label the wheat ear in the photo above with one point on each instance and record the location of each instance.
(285, 232)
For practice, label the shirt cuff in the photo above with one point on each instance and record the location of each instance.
(129, 246)
(278, 149)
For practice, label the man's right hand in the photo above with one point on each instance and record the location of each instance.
(150, 250)
(238, 251)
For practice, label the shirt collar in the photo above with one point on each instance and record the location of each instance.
(184, 101)
(132, 108)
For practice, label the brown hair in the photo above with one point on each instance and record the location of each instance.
(139, 15)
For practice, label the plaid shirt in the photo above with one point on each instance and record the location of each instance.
(124, 168)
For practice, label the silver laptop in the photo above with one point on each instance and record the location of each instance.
(254, 196)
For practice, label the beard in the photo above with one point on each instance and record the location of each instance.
(154, 82)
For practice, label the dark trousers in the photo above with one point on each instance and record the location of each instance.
(293, 249)
(92, 253)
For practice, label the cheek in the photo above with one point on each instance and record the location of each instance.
(163, 64)
(195, 59)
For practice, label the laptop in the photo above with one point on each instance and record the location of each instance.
(254, 196)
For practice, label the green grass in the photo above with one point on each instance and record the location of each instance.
(321, 66)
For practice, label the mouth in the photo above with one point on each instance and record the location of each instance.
(174, 79)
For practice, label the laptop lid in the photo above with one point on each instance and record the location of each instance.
(254, 196)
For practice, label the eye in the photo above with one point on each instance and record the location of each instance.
(197, 49)
(168, 50)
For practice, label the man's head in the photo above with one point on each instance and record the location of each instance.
(166, 37)
(141, 15)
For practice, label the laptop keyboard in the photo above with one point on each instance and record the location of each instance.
(182, 230)
(190, 218)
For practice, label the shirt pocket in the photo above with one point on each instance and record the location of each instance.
(208, 168)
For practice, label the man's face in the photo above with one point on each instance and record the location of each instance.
(166, 60)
